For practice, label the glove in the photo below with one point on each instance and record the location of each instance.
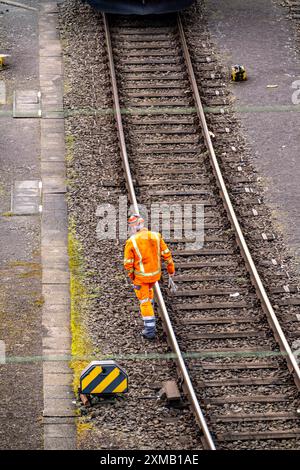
(172, 286)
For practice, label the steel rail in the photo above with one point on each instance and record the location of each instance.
(255, 278)
(209, 443)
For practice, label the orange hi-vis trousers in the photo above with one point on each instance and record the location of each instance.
(145, 294)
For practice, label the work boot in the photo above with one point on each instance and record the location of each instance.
(149, 328)
(146, 335)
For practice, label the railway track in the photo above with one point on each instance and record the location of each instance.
(238, 370)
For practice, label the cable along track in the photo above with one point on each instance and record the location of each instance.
(237, 362)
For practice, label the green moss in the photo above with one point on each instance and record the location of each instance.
(69, 148)
(83, 427)
(30, 274)
(39, 302)
(34, 270)
(64, 43)
(67, 87)
(81, 344)
(26, 264)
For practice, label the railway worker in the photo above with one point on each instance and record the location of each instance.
(142, 260)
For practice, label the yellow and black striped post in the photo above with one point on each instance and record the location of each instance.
(103, 378)
(3, 58)
(238, 73)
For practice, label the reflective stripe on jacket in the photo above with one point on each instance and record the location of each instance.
(142, 257)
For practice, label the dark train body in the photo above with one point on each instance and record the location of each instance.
(140, 7)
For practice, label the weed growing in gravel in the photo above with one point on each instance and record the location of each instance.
(83, 427)
(39, 302)
(81, 344)
(67, 87)
(69, 148)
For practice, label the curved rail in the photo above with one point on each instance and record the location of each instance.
(255, 278)
(209, 444)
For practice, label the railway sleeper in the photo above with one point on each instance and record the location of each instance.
(169, 50)
(180, 150)
(245, 417)
(231, 320)
(239, 365)
(151, 77)
(242, 381)
(226, 335)
(224, 399)
(155, 45)
(156, 68)
(152, 85)
(215, 305)
(209, 292)
(259, 435)
(156, 94)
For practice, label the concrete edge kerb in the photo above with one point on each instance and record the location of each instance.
(59, 409)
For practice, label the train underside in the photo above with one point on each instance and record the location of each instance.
(140, 7)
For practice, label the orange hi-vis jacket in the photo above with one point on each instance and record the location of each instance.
(142, 256)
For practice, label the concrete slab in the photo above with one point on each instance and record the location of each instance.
(55, 203)
(57, 368)
(58, 379)
(58, 332)
(52, 155)
(57, 443)
(59, 407)
(55, 276)
(52, 114)
(59, 319)
(54, 184)
(52, 168)
(56, 295)
(65, 430)
(54, 237)
(53, 352)
(27, 96)
(52, 126)
(61, 343)
(52, 140)
(57, 420)
(57, 391)
(26, 197)
(51, 259)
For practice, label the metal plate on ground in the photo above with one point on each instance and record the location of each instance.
(26, 197)
(27, 104)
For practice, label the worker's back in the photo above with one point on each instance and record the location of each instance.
(142, 260)
(144, 247)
